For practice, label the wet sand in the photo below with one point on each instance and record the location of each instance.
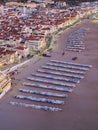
(80, 111)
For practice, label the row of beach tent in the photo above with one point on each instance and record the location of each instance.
(52, 82)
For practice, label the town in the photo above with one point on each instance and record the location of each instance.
(27, 30)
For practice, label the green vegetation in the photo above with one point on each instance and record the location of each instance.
(48, 40)
(22, 1)
(74, 2)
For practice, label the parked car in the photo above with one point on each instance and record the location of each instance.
(13, 72)
(46, 55)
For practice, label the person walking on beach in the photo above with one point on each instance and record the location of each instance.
(63, 53)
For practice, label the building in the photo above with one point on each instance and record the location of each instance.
(22, 51)
(5, 84)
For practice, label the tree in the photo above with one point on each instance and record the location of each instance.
(22, 1)
(73, 2)
(2, 1)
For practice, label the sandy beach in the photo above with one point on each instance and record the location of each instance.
(80, 111)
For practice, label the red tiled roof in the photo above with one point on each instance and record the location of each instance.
(21, 48)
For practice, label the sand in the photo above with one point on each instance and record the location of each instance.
(80, 111)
